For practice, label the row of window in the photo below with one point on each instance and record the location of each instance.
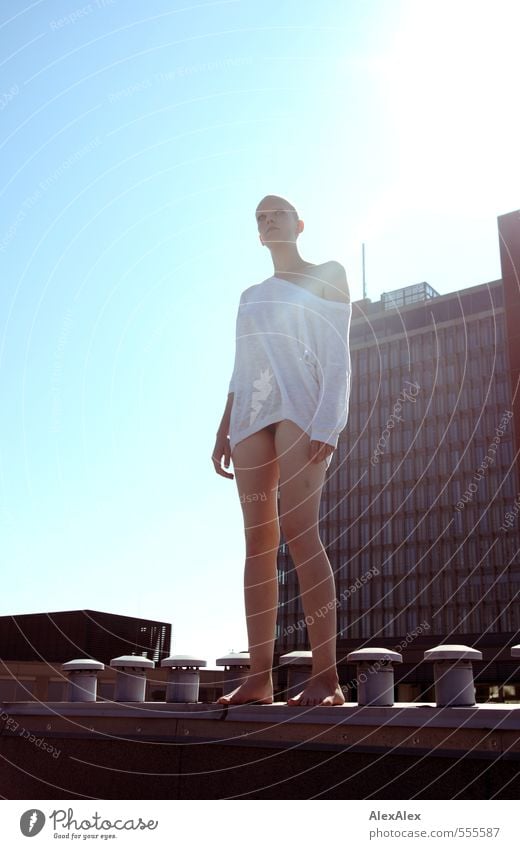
(448, 515)
(480, 562)
(445, 501)
(441, 375)
(496, 614)
(462, 438)
(456, 339)
(399, 530)
(474, 395)
(443, 583)
(448, 620)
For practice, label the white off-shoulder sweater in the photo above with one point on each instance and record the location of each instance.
(292, 361)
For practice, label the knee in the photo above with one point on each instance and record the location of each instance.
(262, 541)
(299, 536)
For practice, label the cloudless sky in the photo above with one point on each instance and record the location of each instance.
(136, 141)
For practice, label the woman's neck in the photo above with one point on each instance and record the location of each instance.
(286, 258)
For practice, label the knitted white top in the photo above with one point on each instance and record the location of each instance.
(292, 361)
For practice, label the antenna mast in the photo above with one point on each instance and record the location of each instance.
(364, 281)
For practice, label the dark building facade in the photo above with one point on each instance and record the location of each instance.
(67, 635)
(419, 508)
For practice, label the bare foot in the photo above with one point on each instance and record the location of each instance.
(319, 691)
(256, 689)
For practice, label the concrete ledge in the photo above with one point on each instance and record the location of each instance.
(153, 750)
(417, 714)
(410, 728)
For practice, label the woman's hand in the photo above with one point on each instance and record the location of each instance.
(319, 451)
(222, 449)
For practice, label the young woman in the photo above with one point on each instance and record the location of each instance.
(287, 404)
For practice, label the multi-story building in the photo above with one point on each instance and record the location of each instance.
(81, 633)
(34, 645)
(419, 508)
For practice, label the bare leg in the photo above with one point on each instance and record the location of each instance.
(256, 473)
(301, 483)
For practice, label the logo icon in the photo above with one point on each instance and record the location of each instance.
(263, 389)
(32, 822)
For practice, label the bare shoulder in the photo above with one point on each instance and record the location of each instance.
(243, 296)
(335, 285)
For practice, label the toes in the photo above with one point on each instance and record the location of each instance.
(295, 700)
(303, 699)
(226, 700)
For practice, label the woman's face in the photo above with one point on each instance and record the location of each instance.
(276, 223)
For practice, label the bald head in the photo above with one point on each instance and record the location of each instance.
(276, 202)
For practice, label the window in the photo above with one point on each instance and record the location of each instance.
(501, 391)
(455, 429)
(420, 497)
(487, 331)
(440, 403)
(476, 397)
(500, 364)
(473, 335)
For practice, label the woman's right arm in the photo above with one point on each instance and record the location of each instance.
(223, 429)
(222, 446)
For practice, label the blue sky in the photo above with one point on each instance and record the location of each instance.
(136, 142)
